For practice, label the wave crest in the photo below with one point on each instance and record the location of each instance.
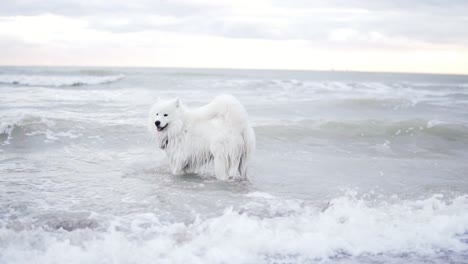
(26, 125)
(58, 80)
(293, 231)
(363, 128)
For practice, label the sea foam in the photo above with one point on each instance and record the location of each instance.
(291, 231)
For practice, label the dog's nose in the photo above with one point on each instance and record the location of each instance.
(157, 123)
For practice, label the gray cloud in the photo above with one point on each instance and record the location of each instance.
(95, 8)
(432, 21)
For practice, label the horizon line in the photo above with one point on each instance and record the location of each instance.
(240, 69)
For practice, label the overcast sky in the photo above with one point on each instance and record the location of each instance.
(367, 35)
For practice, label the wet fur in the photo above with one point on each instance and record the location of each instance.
(218, 132)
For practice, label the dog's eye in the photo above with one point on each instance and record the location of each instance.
(157, 113)
(165, 114)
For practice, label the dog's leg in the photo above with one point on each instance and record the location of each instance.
(243, 168)
(177, 167)
(177, 171)
(221, 169)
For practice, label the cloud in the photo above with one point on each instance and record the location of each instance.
(111, 7)
(433, 21)
(152, 32)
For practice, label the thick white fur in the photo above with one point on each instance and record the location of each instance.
(217, 132)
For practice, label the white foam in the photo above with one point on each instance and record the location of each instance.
(434, 123)
(260, 195)
(291, 231)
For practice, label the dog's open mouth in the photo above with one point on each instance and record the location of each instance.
(162, 128)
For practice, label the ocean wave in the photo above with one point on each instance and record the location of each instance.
(291, 231)
(358, 94)
(376, 103)
(27, 125)
(293, 130)
(58, 80)
(9, 126)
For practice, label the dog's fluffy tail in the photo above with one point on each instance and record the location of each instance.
(225, 107)
(248, 136)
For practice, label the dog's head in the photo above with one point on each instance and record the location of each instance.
(162, 116)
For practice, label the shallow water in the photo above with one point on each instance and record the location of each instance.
(350, 168)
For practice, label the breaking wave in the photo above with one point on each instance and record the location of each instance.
(363, 128)
(26, 125)
(266, 230)
(376, 103)
(58, 80)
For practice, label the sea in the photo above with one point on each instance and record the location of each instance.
(350, 167)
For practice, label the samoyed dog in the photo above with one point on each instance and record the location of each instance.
(218, 133)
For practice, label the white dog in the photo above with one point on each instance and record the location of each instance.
(218, 132)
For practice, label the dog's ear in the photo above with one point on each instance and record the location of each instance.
(177, 102)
